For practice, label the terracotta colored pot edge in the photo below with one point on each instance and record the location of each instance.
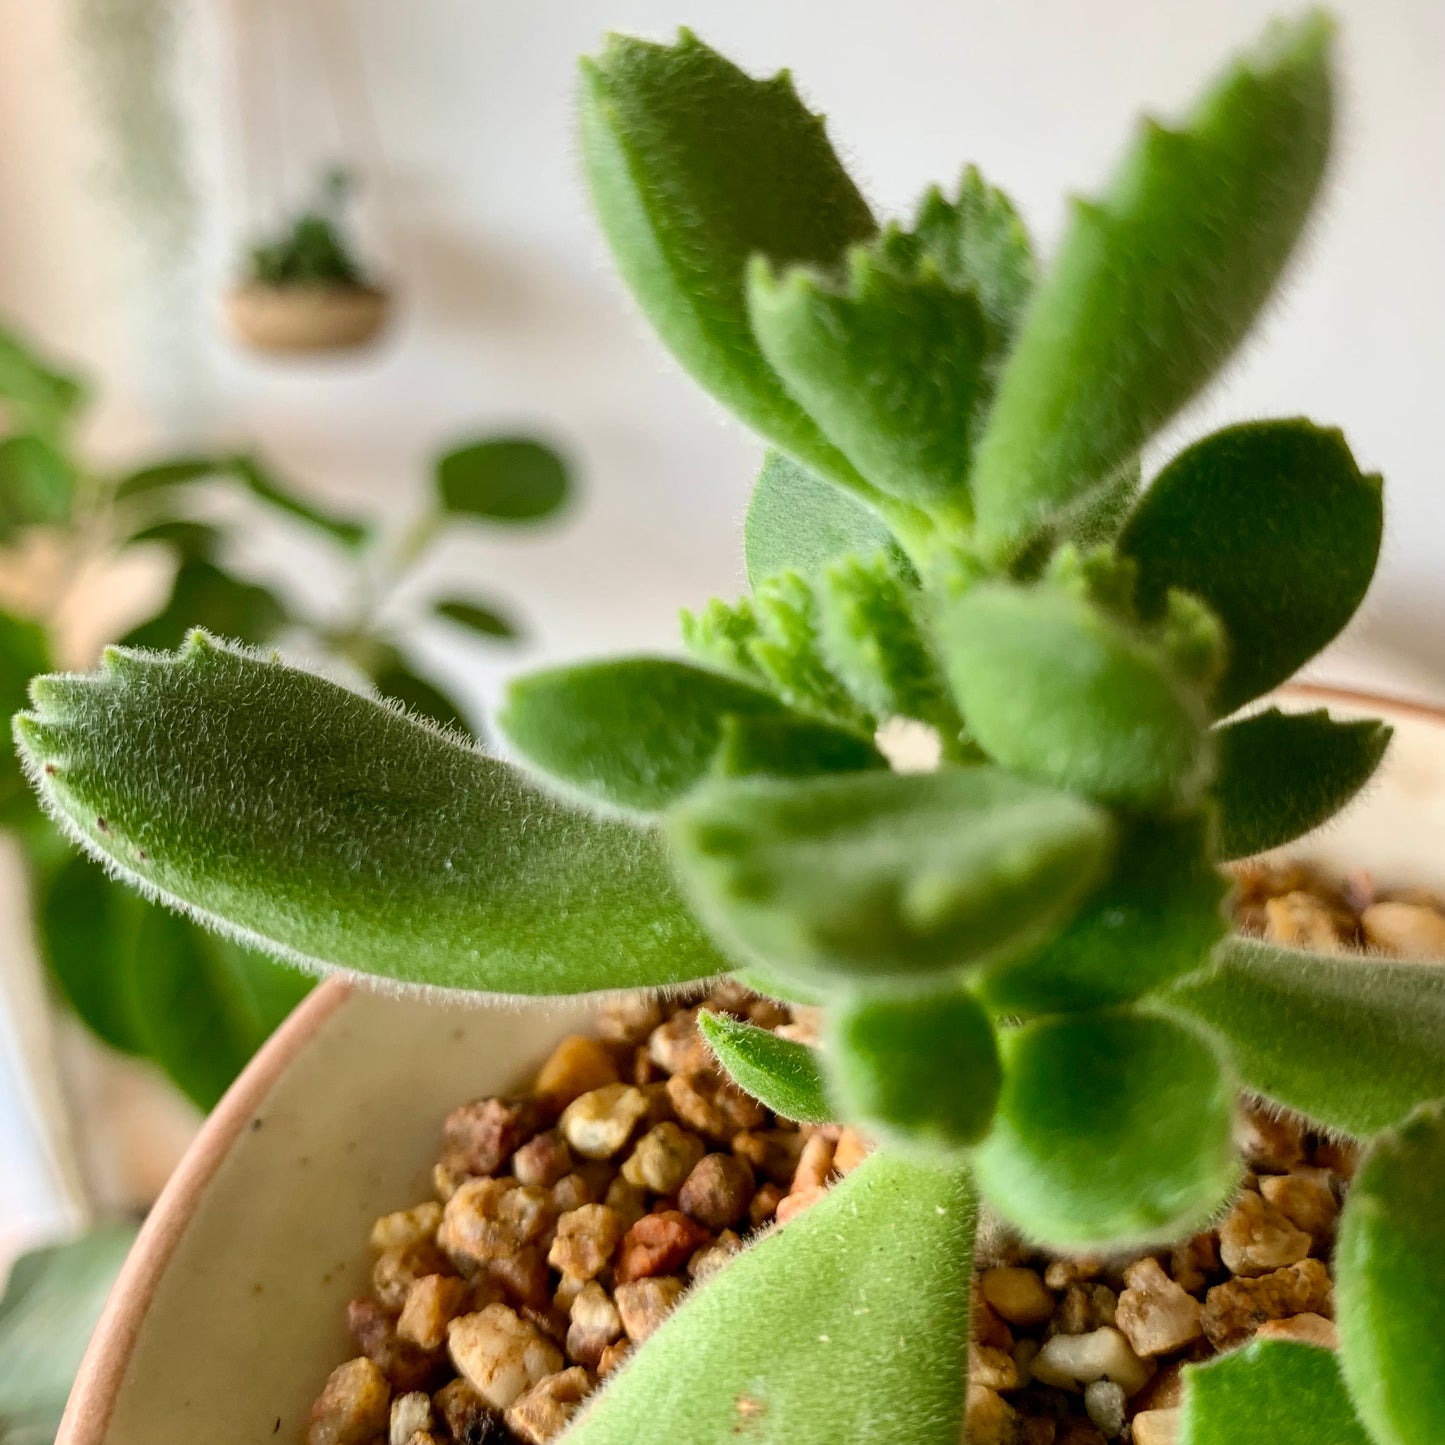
(102, 1370)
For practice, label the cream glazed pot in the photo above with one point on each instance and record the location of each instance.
(229, 1313)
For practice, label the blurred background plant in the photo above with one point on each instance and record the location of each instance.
(144, 980)
(313, 249)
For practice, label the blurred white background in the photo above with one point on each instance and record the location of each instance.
(511, 316)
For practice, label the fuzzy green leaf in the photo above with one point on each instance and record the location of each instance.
(1282, 774)
(52, 1303)
(1157, 283)
(1055, 687)
(788, 651)
(484, 621)
(1112, 1128)
(504, 479)
(1155, 917)
(202, 595)
(1274, 527)
(642, 732)
(870, 1285)
(37, 483)
(695, 167)
(784, 1075)
(797, 521)
(879, 874)
(789, 745)
(336, 831)
(889, 366)
(1271, 1392)
(189, 539)
(977, 243)
(1390, 1280)
(874, 643)
(1352, 1043)
(921, 1068)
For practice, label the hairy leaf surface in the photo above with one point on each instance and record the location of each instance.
(1390, 1280)
(640, 733)
(922, 1068)
(1112, 1128)
(870, 1285)
(784, 1075)
(881, 874)
(1270, 1392)
(1274, 527)
(1282, 774)
(695, 167)
(1352, 1043)
(333, 830)
(797, 521)
(1056, 688)
(1156, 283)
(889, 366)
(1154, 917)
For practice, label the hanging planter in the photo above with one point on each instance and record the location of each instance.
(304, 291)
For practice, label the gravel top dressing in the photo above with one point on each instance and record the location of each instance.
(569, 1220)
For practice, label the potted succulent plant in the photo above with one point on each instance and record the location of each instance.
(1028, 995)
(304, 290)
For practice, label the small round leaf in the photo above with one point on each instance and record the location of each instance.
(507, 479)
(1112, 1128)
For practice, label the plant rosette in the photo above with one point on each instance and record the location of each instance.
(1028, 993)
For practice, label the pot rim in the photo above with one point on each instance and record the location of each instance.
(102, 1372)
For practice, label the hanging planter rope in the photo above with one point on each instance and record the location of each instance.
(303, 290)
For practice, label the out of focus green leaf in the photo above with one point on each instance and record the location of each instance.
(504, 479)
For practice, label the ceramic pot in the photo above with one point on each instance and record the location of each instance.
(301, 320)
(229, 1314)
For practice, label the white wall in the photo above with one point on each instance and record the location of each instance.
(512, 316)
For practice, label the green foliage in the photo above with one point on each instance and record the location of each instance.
(889, 365)
(784, 1075)
(1352, 1043)
(1111, 1127)
(1281, 774)
(40, 396)
(503, 479)
(1156, 283)
(877, 875)
(884, 1052)
(1055, 686)
(310, 252)
(1389, 1264)
(261, 482)
(1270, 1392)
(1274, 526)
(875, 644)
(286, 800)
(37, 484)
(24, 651)
(641, 733)
(686, 198)
(797, 521)
(1155, 916)
(868, 1291)
(484, 621)
(49, 1311)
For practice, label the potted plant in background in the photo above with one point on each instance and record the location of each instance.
(304, 289)
(1028, 996)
